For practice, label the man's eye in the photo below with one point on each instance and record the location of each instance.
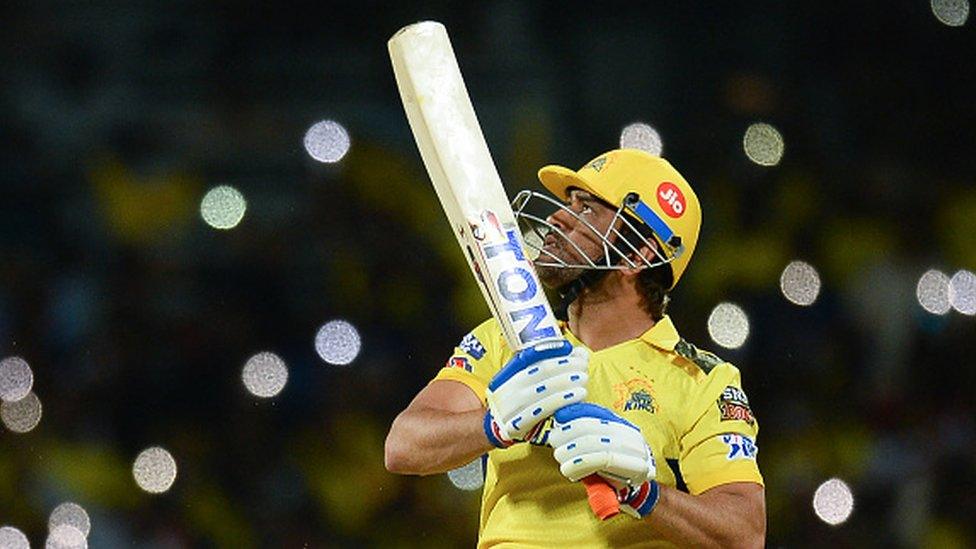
(586, 209)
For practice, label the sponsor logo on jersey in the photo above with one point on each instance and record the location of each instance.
(635, 395)
(733, 404)
(472, 346)
(459, 362)
(740, 446)
(671, 200)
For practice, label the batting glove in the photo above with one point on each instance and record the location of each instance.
(592, 439)
(536, 382)
(639, 501)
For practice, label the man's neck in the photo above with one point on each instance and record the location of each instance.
(608, 314)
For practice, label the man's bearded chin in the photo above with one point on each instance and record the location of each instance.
(557, 277)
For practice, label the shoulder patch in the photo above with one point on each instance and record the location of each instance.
(472, 346)
(703, 359)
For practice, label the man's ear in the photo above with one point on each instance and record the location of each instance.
(647, 255)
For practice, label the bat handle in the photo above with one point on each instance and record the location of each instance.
(602, 497)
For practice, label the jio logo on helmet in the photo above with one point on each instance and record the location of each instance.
(670, 198)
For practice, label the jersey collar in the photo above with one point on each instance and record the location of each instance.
(662, 335)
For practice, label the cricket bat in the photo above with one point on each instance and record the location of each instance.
(466, 181)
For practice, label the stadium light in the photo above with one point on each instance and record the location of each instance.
(264, 375)
(16, 379)
(962, 292)
(21, 416)
(641, 136)
(728, 325)
(833, 502)
(952, 13)
(223, 207)
(72, 514)
(763, 144)
(154, 470)
(800, 283)
(932, 292)
(327, 141)
(337, 342)
(468, 477)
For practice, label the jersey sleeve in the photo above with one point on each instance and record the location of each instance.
(476, 358)
(718, 445)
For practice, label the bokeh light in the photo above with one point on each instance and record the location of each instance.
(327, 141)
(962, 292)
(16, 379)
(72, 514)
(21, 416)
(833, 501)
(154, 470)
(728, 325)
(223, 207)
(953, 13)
(800, 283)
(66, 536)
(763, 144)
(468, 477)
(265, 375)
(338, 342)
(641, 136)
(12, 538)
(932, 292)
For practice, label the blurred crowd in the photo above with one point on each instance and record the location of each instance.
(137, 317)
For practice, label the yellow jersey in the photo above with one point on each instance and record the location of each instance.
(688, 403)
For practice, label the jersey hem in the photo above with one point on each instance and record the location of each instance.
(711, 481)
(480, 388)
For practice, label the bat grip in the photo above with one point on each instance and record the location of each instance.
(602, 497)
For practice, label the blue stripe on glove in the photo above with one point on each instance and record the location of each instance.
(585, 409)
(494, 434)
(528, 356)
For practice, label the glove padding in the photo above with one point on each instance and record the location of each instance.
(535, 383)
(592, 439)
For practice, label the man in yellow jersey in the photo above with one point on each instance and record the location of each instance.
(666, 424)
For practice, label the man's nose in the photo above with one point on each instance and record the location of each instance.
(559, 219)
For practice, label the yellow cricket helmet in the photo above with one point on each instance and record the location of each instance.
(665, 202)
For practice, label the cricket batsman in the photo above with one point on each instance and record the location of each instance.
(666, 424)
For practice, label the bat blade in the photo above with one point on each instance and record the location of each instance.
(466, 180)
(464, 176)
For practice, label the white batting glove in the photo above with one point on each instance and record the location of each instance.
(535, 383)
(592, 439)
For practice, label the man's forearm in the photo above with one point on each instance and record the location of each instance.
(428, 441)
(712, 519)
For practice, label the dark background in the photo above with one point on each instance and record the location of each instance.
(136, 317)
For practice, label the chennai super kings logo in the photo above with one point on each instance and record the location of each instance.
(600, 163)
(636, 394)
